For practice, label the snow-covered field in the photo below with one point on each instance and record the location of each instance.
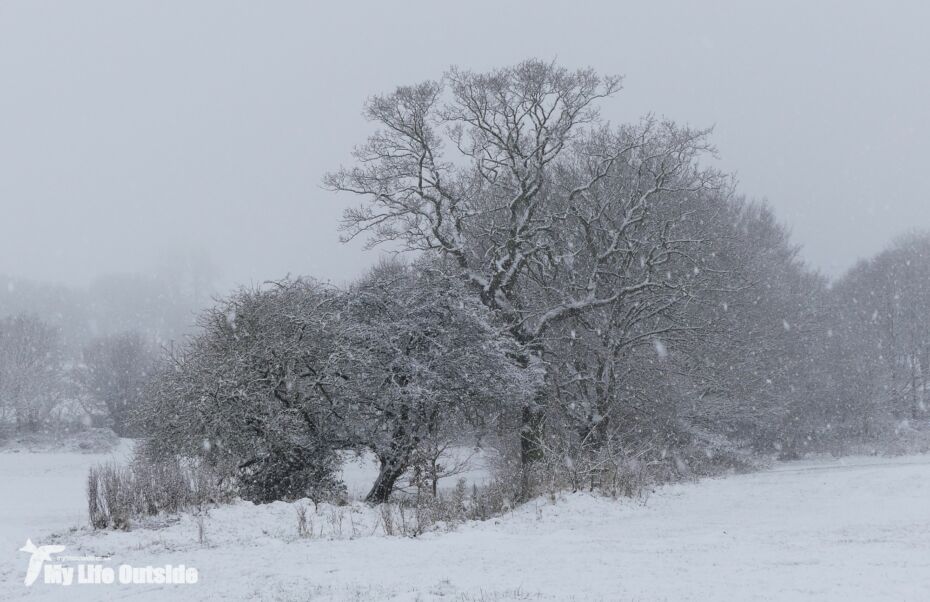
(853, 529)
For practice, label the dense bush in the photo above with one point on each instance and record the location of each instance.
(289, 474)
(252, 394)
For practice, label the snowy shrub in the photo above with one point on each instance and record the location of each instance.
(108, 501)
(415, 515)
(118, 494)
(387, 518)
(254, 395)
(200, 518)
(287, 475)
(304, 522)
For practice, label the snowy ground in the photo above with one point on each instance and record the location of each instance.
(43, 492)
(856, 529)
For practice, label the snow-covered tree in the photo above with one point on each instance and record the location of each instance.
(509, 174)
(31, 384)
(114, 374)
(282, 378)
(751, 372)
(881, 320)
(255, 392)
(421, 354)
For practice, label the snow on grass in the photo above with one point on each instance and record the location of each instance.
(45, 491)
(856, 529)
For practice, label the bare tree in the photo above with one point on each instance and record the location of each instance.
(509, 174)
(114, 375)
(880, 318)
(30, 371)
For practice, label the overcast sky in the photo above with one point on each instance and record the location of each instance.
(134, 130)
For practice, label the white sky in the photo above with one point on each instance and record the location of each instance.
(130, 130)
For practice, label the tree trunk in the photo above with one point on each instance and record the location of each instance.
(915, 400)
(531, 417)
(391, 470)
(531, 450)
